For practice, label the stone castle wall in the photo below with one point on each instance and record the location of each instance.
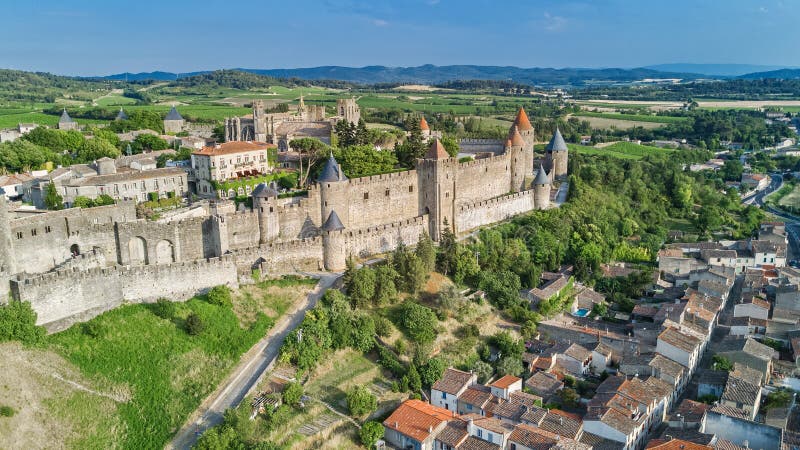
(482, 178)
(481, 146)
(474, 215)
(63, 297)
(281, 258)
(383, 238)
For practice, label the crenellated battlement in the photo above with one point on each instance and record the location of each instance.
(495, 201)
(392, 176)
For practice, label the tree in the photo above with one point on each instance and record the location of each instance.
(104, 200)
(426, 252)
(722, 363)
(385, 287)
(292, 394)
(361, 401)
(18, 323)
(569, 398)
(419, 322)
(483, 370)
(94, 149)
(220, 296)
(362, 287)
(414, 379)
(510, 365)
(52, 199)
(431, 371)
(448, 251)
(370, 433)
(361, 133)
(310, 150)
(450, 145)
(148, 142)
(82, 202)
(363, 333)
(194, 324)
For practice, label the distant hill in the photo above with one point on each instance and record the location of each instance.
(145, 76)
(721, 70)
(783, 74)
(430, 74)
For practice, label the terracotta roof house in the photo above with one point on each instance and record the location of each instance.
(675, 444)
(415, 423)
(545, 385)
(527, 437)
(679, 346)
(750, 353)
(476, 400)
(518, 404)
(689, 414)
(504, 386)
(446, 390)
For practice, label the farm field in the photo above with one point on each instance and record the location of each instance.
(624, 150)
(129, 377)
(633, 117)
(603, 123)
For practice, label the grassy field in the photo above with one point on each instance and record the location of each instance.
(623, 150)
(130, 377)
(634, 117)
(791, 199)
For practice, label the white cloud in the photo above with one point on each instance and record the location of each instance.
(380, 23)
(554, 23)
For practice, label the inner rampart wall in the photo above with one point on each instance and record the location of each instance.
(482, 179)
(474, 215)
(382, 199)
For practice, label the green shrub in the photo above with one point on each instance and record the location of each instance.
(18, 322)
(7, 411)
(292, 394)
(370, 433)
(361, 401)
(194, 324)
(153, 196)
(93, 329)
(163, 308)
(220, 296)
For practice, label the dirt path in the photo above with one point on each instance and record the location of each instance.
(249, 372)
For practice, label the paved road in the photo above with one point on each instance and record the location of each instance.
(249, 371)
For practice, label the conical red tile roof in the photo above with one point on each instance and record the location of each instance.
(516, 139)
(522, 121)
(423, 124)
(437, 151)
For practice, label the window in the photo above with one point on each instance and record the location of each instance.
(444, 395)
(366, 195)
(513, 446)
(387, 192)
(19, 235)
(410, 188)
(469, 406)
(47, 229)
(33, 232)
(480, 433)
(490, 437)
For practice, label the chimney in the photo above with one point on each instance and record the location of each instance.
(469, 426)
(430, 428)
(560, 420)
(746, 443)
(396, 424)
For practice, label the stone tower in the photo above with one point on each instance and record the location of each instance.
(65, 122)
(333, 191)
(424, 128)
(259, 121)
(173, 122)
(333, 246)
(266, 206)
(8, 264)
(519, 160)
(348, 109)
(436, 181)
(527, 132)
(556, 156)
(541, 189)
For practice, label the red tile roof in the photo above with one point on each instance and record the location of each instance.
(415, 419)
(675, 444)
(437, 151)
(505, 382)
(522, 121)
(516, 139)
(234, 147)
(423, 124)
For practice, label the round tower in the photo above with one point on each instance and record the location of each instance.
(436, 180)
(265, 206)
(334, 252)
(7, 261)
(541, 189)
(424, 128)
(333, 191)
(556, 156)
(516, 153)
(526, 131)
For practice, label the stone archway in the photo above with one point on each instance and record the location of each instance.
(165, 252)
(137, 250)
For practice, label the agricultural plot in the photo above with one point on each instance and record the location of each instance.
(791, 199)
(623, 150)
(633, 117)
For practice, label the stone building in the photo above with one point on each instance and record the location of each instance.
(173, 122)
(120, 258)
(65, 122)
(348, 109)
(228, 161)
(121, 115)
(556, 156)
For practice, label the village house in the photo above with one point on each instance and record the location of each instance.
(505, 386)
(415, 423)
(750, 353)
(679, 347)
(545, 385)
(446, 390)
(229, 161)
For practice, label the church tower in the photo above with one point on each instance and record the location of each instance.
(436, 181)
(8, 264)
(556, 156)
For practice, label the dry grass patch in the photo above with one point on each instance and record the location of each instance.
(271, 297)
(55, 405)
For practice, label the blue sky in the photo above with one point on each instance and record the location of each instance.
(82, 37)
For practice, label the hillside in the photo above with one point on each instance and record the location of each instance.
(17, 85)
(783, 74)
(714, 70)
(431, 74)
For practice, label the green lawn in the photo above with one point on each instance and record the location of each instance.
(623, 150)
(167, 371)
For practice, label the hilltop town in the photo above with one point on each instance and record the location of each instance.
(298, 266)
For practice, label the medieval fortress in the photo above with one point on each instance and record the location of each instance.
(75, 263)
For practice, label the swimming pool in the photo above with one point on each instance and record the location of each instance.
(581, 312)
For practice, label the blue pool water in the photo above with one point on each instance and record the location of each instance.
(582, 312)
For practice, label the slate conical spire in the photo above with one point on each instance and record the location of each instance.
(65, 118)
(541, 176)
(557, 143)
(173, 114)
(333, 223)
(331, 172)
